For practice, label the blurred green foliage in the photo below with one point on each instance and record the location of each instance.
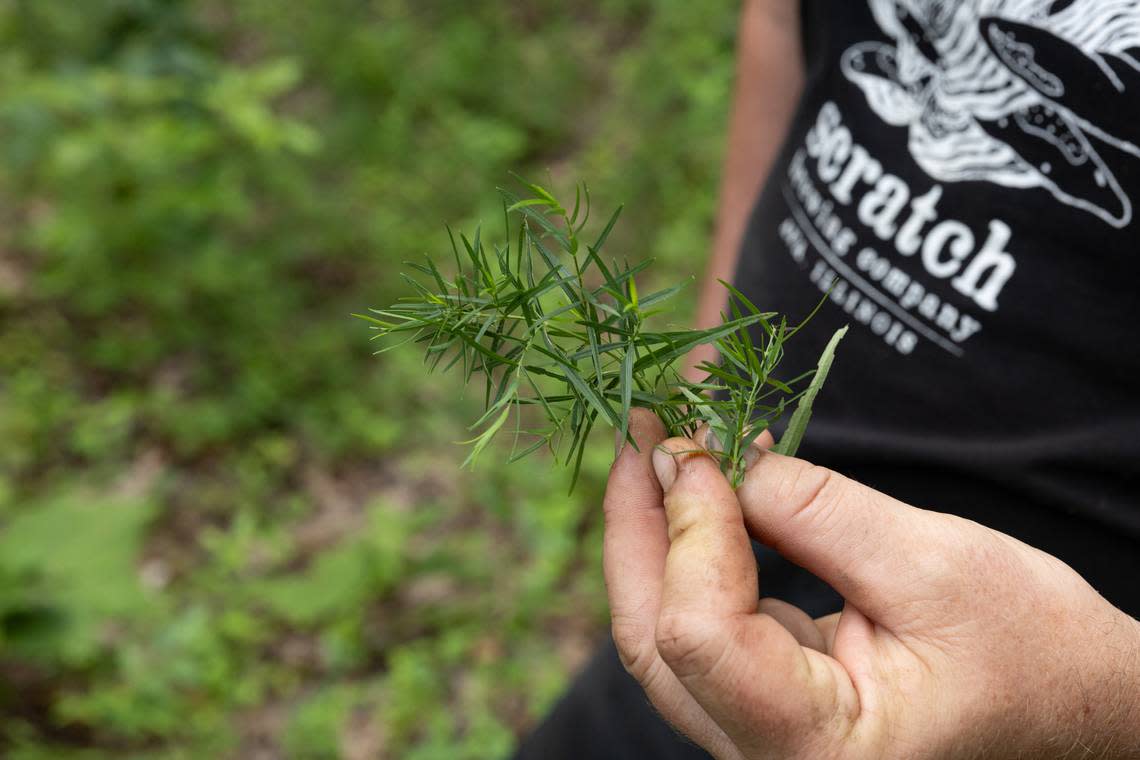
(226, 529)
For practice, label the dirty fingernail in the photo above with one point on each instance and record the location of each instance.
(665, 467)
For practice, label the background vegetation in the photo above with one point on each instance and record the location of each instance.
(226, 529)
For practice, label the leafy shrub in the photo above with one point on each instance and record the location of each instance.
(224, 529)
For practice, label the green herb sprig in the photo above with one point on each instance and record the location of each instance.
(551, 327)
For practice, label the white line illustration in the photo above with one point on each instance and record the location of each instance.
(1021, 93)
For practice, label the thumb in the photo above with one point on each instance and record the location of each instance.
(874, 550)
(749, 673)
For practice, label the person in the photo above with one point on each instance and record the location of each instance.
(952, 569)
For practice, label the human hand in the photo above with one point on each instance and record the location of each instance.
(955, 641)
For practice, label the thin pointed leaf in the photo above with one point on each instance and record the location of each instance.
(790, 441)
(626, 386)
(596, 248)
(480, 442)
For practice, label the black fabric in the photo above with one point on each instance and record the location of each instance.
(959, 180)
(606, 715)
(957, 184)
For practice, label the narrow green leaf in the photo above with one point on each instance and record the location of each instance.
(790, 441)
(596, 248)
(662, 295)
(480, 442)
(626, 387)
(527, 203)
(679, 344)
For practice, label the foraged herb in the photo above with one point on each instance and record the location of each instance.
(561, 340)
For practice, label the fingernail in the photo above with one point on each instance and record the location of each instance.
(712, 441)
(751, 457)
(665, 467)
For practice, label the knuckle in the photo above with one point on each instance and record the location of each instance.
(634, 647)
(813, 494)
(684, 510)
(690, 644)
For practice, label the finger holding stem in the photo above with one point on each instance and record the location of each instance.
(635, 547)
(745, 668)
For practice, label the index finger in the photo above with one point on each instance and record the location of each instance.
(635, 542)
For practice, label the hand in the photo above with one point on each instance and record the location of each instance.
(955, 640)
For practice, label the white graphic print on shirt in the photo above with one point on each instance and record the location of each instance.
(998, 90)
(1018, 93)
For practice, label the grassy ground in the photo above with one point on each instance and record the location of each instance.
(226, 529)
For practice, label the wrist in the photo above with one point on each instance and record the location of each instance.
(1130, 703)
(1121, 737)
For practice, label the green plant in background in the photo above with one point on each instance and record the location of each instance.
(565, 332)
(219, 537)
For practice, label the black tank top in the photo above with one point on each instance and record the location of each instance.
(962, 179)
